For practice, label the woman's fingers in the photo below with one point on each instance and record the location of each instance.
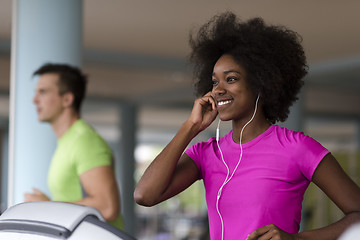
(204, 111)
(210, 99)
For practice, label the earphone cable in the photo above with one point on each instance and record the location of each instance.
(227, 179)
(220, 189)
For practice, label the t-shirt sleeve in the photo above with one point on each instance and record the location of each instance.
(194, 152)
(310, 152)
(92, 151)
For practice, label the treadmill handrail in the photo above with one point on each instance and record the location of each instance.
(34, 227)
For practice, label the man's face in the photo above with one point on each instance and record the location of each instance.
(49, 103)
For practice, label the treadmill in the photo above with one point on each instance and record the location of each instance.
(56, 220)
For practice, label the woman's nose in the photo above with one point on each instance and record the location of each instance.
(219, 89)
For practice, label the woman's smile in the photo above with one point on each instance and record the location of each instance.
(221, 103)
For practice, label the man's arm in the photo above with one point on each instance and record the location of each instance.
(103, 194)
(101, 187)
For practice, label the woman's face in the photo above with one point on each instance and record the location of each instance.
(234, 99)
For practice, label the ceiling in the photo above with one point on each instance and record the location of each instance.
(136, 50)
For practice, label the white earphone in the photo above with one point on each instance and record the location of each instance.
(227, 179)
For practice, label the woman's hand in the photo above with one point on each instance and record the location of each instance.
(204, 112)
(270, 232)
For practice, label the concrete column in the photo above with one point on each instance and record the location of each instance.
(358, 135)
(42, 31)
(125, 166)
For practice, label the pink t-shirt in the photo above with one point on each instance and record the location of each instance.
(267, 187)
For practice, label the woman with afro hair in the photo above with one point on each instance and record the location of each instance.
(256, 175)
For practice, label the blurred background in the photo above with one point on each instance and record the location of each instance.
(135, 54)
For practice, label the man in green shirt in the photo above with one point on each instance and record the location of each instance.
(81, 169)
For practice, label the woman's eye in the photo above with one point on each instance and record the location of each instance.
(231, 79)
(214, 82)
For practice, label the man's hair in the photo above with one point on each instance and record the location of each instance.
(272, 56)
(71, 79)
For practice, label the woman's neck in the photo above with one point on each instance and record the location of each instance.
(252, 129)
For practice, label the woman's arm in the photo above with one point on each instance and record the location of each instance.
(172, 171)
(338, 186)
